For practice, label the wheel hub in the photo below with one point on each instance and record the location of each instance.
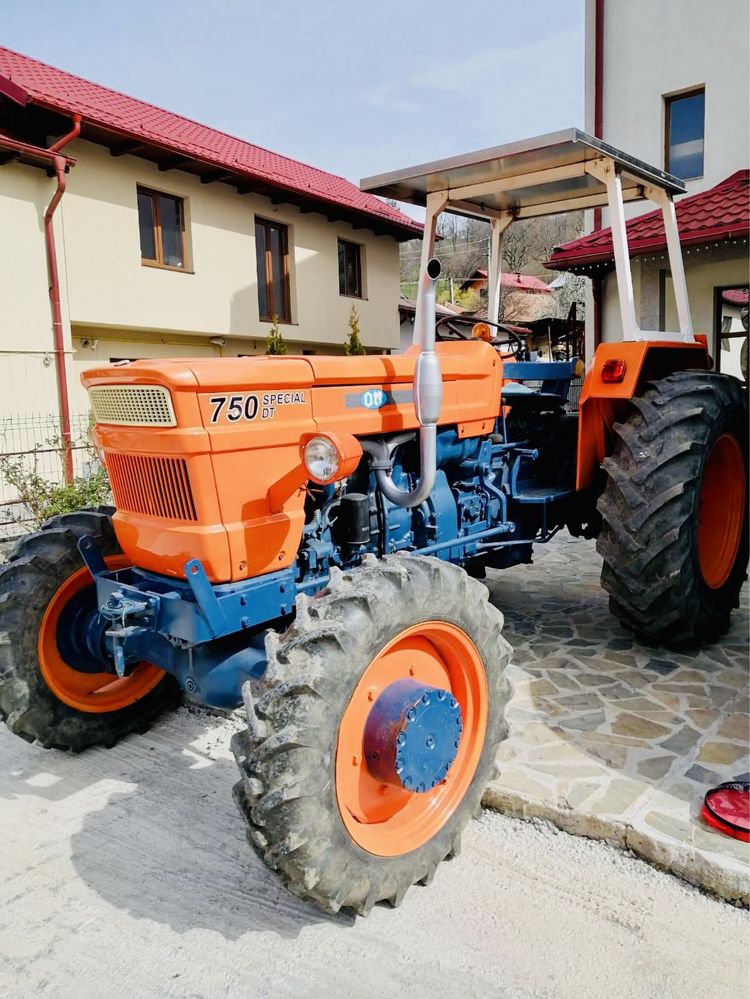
(412, 735)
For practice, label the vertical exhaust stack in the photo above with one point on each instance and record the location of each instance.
(428, 383)
(428, 397)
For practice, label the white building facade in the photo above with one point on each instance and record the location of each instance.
(669, 83)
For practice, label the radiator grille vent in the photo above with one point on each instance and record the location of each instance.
(133, 405)
(156, 487)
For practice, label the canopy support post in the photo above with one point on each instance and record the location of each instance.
(494, 277)
(607, 172)
(665, 201)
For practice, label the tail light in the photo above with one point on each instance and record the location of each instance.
(613, 370)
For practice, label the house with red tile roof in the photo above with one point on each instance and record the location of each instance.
(168, 238)
(525, 298)
(667, 83)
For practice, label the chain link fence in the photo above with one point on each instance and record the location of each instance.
(34, 441)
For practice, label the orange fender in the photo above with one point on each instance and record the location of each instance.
(602, 404)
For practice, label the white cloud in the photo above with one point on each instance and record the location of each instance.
(384, 96)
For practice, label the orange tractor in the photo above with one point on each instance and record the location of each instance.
(305, 535)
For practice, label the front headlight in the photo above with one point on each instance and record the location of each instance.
(321, 459)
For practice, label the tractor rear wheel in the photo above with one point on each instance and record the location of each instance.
(51, 688)
(377, 733)
(674, 537)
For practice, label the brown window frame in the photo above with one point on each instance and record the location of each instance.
(356, 246)
(267, 224)
(669, 100)
(158, 244)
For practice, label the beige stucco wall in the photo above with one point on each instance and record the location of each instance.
(130, 310)
(27, 371)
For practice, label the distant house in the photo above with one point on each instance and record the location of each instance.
(525, 298)
(172, 238)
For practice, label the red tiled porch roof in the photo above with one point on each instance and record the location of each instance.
(715, 215)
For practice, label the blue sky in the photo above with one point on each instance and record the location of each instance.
(353, 88)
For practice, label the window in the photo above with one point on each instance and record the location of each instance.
(731, 331)
(684, 139)
(350, 269)
(272, 256)
(161, 219)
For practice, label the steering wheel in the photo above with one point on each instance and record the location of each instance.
(515, 343)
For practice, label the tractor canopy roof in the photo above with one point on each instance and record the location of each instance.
(539, 176)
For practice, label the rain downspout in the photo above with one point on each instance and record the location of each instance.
(59, 165)
(598, 85)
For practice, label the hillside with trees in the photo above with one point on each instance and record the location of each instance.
(464, 246)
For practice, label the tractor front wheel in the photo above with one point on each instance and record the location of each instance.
(674, 537)
(377, 733)
(54, 688)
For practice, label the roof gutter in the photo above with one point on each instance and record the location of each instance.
(60, 164)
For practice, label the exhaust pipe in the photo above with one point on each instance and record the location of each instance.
(428, 397)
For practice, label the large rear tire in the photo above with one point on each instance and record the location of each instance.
(314, 812)
(46, 693)
(674, 538)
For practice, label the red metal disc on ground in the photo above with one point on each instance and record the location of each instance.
(727, 808)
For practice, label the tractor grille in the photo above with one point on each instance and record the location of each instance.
(157, 487)
(133, 405)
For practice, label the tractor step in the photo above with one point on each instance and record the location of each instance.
(542, 494)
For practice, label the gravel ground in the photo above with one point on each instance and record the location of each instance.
(126, 873)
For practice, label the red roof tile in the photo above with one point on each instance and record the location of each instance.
(24, 78)
(720, 213)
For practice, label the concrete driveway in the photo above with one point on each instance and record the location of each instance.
(126, 873)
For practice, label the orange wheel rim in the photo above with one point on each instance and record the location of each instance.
(95, 693)
(384, 819)
(721, 511)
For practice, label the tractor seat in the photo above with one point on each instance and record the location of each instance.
(527, 399)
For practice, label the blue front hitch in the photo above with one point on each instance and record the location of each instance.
(211, 638)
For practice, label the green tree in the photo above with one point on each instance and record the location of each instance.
(353, 344)
(275, 341)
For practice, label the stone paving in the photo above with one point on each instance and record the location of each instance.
(610, 738)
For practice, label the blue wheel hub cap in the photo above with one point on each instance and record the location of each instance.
(412, 735)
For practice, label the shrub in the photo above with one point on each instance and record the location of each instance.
(353, 343)
(42, 499)
(275, 341)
